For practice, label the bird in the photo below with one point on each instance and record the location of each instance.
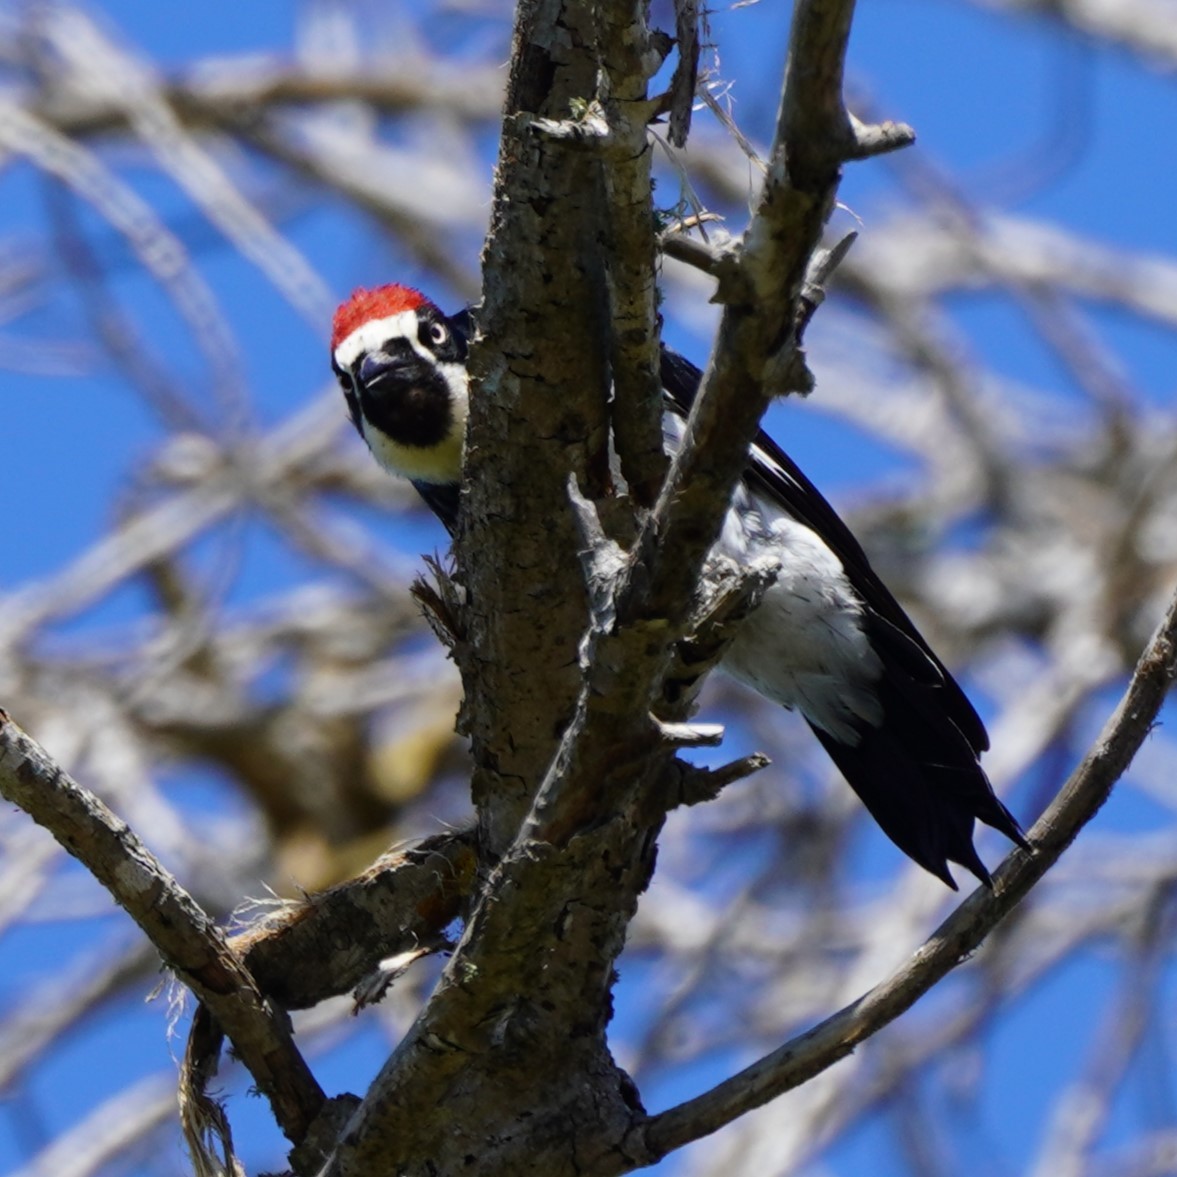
(828, 639)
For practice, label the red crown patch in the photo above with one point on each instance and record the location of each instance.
(364, 305)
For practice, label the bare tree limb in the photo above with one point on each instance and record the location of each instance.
(681, 96)
(247, 86)
(629, 56)
(305, 952)
(184, 934)
(756, 353)
(603, 797)
(960, 935)
(1144, 27)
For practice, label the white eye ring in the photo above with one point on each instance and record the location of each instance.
(438, 333)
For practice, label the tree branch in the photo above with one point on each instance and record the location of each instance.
(573, 854)
(185, 935)
(628, 57)
(246, 89)
(959, 936)
(762, 290)
(681, 95)
(327, 944)
(760, 286)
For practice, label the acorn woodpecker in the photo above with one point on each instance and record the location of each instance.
(828, 638)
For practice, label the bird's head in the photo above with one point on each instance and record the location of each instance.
(402, 365)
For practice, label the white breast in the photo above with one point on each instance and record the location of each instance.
(438, 464)
(804, 645)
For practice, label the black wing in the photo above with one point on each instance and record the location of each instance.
(917, 772)
(442, 499)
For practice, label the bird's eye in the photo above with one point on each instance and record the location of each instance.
(344, 379)
(437, 333)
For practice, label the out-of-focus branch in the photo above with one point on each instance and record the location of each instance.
(184, 934)
(115, 1127)
(158, 250)
(248, 103)
(49, 1013)
(1082, 1110)
(242, 89)
(1145, 27)
(93, 60)
(168, 525)
(926, 258)
(354, 179)
(159, 388)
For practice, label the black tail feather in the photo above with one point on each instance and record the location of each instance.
(914, 804)
(918, 773)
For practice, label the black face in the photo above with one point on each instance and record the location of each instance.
(400, 392)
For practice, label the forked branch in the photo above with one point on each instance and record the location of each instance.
(185, 935)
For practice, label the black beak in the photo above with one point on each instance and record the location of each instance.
(397, 367)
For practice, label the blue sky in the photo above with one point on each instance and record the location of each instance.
(1026, 122)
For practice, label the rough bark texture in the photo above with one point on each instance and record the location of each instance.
(512, 1043)
(571, 767)
(539, 411)
(331, 942)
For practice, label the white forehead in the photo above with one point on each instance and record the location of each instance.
(374, 334)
